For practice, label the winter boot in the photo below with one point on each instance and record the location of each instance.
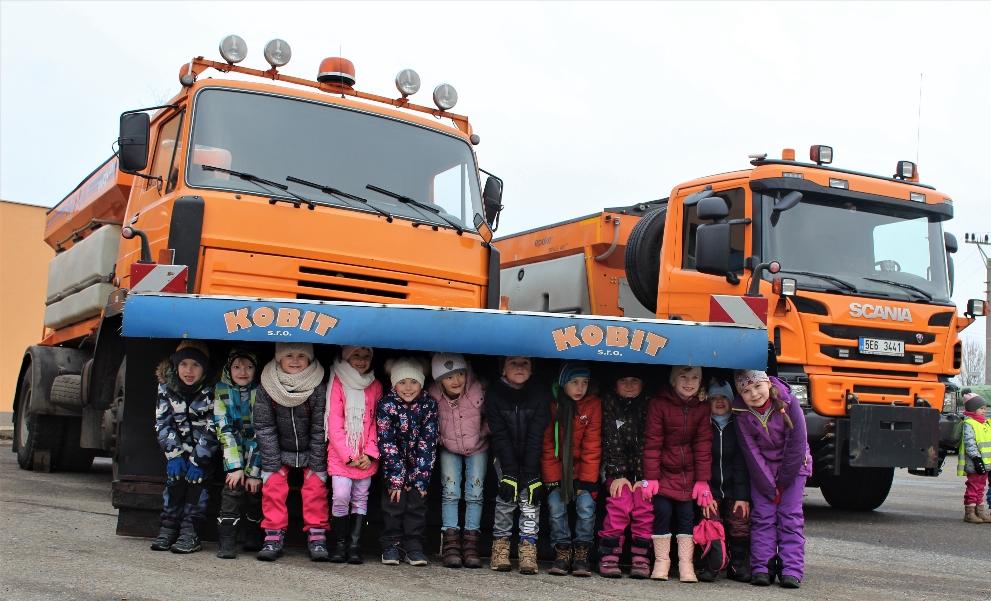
(272, 546)
(188, 541)
(254, 536)
(580, 566)
(609, 550)
(686, 556)
(166, 537)
(662, 556)
(528, 557)
(500, 555)
(227, 538)
(562, 560)
(354, 539)
(789, 581)
(640, 564)
(739, 563)
(469, 548)
(982, 512)
(450, 548)
(316, 542)
(339, 530)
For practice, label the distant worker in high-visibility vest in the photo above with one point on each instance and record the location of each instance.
(974, 459)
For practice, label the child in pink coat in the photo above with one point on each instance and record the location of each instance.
(352, 449)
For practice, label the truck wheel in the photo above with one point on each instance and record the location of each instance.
(113, 417)
(858, 488)
(72, 457)
(38, 437)
(643, 257)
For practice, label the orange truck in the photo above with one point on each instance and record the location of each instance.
(251, 184)
(857, 274)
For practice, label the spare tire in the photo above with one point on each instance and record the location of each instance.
(643, 257)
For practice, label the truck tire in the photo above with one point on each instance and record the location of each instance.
(67, 390)
(38, 437)
(72, 457)
(858, 488)
(113, 416)
(643, 257)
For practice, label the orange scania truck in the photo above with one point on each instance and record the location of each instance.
(858, 275)
(250, 184)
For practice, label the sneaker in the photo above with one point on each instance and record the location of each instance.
(392, 556)
(416, 558)
(187, 542)
(165, 539)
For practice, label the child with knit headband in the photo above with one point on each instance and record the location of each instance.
(773, 437)
(352, 449)
(289, 427)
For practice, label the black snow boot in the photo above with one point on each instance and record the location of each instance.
(166, 537)
(272, 549)
(227, 538)
(254, 536)
(739, 563)
(354, 540)
(339, 531)
(188, 541)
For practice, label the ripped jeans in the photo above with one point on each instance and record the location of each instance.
(455, 469)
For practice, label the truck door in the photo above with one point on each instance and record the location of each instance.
(684, 292)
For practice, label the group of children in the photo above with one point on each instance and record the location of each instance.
(692, 454)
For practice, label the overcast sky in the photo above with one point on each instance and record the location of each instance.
(579, 105)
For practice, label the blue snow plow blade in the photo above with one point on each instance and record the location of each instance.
(470, 331)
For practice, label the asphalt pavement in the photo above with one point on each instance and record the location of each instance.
(58, 542)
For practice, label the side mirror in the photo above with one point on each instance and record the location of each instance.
(483, 228)
(788, 201)
(712, 249)
(950, 241)
(713, 208)
(135, 130)
(492, 199)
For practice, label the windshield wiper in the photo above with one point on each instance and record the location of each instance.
(902, 285)
(262, 182)
(822, 276)
(341, 194)
(418, 204)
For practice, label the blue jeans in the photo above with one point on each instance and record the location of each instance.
(451, 467)
(584, 518)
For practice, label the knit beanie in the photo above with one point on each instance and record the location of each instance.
(445, 364)
(571, 370)
(677, 370)
(282, 349)
(191, 349)
(746, 377)
(719, 388)
(347, 351)
(403, 368)
(974, 403)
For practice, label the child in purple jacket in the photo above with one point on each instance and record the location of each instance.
(774, 442)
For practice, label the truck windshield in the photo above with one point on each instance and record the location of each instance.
(878, 250)
(274, 137)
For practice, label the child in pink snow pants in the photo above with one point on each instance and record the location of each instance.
(773, 438)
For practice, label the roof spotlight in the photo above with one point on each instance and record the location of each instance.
(233, 48)
(821, 155)
(445, 96)
(277, 52)
(408, 82)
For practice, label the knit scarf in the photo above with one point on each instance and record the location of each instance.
(563, 426)
(291, 390)
(354, 385)
(975, 416)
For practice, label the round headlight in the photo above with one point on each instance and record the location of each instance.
(445, 96)
(277, 52)
(408, 82)
(233, 49)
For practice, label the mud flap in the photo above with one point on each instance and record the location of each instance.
(890, 436)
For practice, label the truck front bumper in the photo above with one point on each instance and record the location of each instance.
(883, 435)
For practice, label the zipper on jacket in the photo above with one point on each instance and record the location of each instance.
(292, 418)
(722, 478)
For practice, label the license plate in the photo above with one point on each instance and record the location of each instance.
(880, 346)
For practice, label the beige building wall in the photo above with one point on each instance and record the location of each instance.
(23, 279)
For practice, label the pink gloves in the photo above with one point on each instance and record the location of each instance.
(702, 494)
(650, 488)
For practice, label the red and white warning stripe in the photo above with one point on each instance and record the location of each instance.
(743, 310)
(152, 277)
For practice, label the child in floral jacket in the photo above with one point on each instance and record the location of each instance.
(407, 437)
(241, 494)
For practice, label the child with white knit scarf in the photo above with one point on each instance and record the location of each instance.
(352, 449)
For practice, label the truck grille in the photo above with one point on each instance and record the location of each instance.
(336, 284)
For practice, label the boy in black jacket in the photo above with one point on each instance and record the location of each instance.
(517, 413)
(730, 485)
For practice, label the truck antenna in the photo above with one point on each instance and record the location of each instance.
(918, 123)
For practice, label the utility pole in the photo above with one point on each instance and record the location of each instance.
(981, 241)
